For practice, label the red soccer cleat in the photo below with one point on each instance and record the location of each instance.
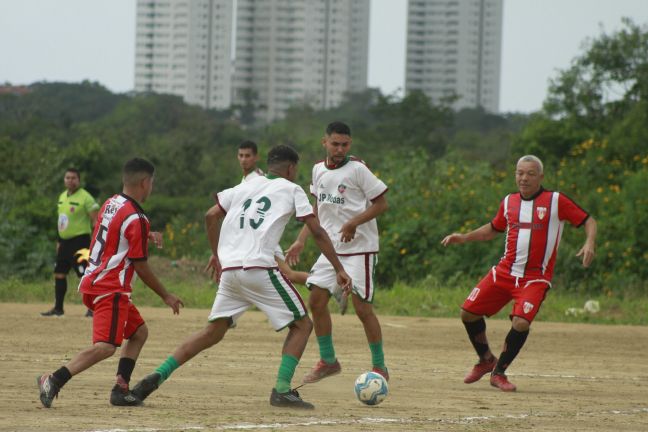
(383, 372)
(501, 382)
(322, 370)
(480, 369)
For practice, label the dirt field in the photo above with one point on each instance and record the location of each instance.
(569, 378)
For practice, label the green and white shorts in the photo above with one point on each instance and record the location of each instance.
(359, 267)
(267, 289)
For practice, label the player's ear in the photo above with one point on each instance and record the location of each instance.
(323, 141)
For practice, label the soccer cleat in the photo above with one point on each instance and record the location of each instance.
(384, 372)
(322, 370)
(341, 299)
(48, 389)
(53, 312)
(480, 369)
(89, 314)
(501, 382)
(290, 399)
(121, 396)
(146, 386)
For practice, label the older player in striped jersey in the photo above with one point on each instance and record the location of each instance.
(533, 221)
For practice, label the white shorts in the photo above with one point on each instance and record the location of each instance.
(359, 267)
(267, 289)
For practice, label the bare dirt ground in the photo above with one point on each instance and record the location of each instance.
(569, 377)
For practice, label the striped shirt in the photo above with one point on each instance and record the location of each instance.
(533, 228)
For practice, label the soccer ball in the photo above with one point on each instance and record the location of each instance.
(371, 388)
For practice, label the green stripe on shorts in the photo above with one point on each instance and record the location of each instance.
(284, 295)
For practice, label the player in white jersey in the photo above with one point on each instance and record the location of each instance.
(349, 198)
(244, 229)
(248, 159)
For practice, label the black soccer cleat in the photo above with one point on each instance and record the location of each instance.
(49, 389)
(146, 386)
(290, 399)
(53, 313)
(120, 396)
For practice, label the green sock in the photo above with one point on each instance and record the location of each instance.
(377, 355)
(166, 369)
(286, 372)
(327, 352)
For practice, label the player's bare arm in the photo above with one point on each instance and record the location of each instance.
(292, 253)
(145, 273)
(483, 233)
(377, 207)
(292, 275)
(589, 248)
(213, 220)
(324, 243)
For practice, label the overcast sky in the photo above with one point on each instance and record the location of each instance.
(73, 40)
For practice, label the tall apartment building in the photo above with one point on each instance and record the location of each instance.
(184, 47)
(299, 52)
(454, 47)
(286, 51)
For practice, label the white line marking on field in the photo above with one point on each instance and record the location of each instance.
(578, 377)
(372, 420)
(395, 325)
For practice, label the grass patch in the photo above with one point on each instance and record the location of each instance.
(427, 298)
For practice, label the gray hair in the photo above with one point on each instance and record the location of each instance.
(532, 158)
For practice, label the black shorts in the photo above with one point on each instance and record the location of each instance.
(66, 260)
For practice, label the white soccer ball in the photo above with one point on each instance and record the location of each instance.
(371, 388)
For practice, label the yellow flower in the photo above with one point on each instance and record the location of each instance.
(403, 251)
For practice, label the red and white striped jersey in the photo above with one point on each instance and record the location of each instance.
(120, 237)
(533, 230)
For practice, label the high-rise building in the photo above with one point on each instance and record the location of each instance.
(287, 52)
(184, 47)
(454, 48)
(299, 52)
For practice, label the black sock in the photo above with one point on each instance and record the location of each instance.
(60, 288)
(477, 335)
(62, 376)
(512, 346)
(125, 368)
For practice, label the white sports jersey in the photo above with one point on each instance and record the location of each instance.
(343, 192)
(256, 172)
(257, 212)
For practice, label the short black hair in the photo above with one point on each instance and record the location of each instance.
(75, 171)
(339, 128)
(281, 154)
(136, 168)
(247, 144)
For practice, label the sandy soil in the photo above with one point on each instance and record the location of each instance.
(569, 378)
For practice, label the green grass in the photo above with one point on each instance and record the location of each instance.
(427, 298)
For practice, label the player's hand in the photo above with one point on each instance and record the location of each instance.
(452, 238)
(348, 232)
(156, 238)
(587, 252)
(214, 266)
(174, 303)
(292, 253)
(345, 282)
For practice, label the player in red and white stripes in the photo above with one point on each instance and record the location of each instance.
(533, 221)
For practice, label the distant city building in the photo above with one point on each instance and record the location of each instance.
(286, 52)
(454, 47)
(184, 48)
(17, 90)
(299, 52)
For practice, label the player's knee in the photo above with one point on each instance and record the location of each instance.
(104, 350)
(520, 324)
(215, 331)
(364, 311)
(468, 317)
(141, 334)
(317, 302)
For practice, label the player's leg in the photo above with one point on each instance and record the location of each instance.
(365, 312)
(321, 283)
(105, 338)
(228, 306)
(485, 299)
(136, 334)
(528, 299)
